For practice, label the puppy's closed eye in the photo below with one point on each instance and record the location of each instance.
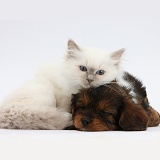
(105, 113)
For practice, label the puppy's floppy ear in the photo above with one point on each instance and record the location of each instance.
(133, 118)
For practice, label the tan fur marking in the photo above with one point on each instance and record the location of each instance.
(97, 125)
(77, 121)
(84, 99)
(154, 118)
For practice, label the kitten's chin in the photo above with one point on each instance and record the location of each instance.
(86, 86)
(89, 85)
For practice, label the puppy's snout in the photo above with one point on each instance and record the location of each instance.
(85, 121)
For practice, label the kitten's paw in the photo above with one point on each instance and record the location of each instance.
(72, 127)
(68, 119)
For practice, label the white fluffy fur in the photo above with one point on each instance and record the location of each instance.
(44, 101)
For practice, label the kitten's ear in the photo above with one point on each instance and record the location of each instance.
(72, 48)
(72, 45)
(116, 56)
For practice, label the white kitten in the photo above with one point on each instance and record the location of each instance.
(44, 101)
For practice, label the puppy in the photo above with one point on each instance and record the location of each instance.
(113, 107)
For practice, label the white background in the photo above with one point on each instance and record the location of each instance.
(35, 32)
(26, 45)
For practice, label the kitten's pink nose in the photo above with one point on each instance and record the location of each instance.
(89, 80)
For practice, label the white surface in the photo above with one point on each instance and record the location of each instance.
(26, 45)
(15, 144)
(149, 134)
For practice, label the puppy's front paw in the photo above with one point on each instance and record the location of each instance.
(72, 127)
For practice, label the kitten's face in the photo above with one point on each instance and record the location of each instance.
(92, 67)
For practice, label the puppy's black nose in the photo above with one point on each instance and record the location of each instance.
(85, 121)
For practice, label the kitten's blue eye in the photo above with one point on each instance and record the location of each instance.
(83, 68)
(100, 72)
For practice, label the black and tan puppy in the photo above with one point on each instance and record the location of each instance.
(113, 107)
